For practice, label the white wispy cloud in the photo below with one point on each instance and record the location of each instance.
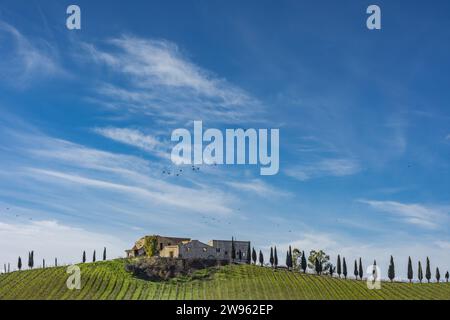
(443, 245)
(257, 187)
(26, 59)
(134, 138)
(416, 214)
(59, 167)
(163, 81)
(381, 250)
(323, 168)
(163, 193)
(50, 239)
(75, 155)
(129, 174)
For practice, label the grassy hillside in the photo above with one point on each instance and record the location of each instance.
(109, 280)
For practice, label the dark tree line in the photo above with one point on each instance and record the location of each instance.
(300, 263)
(94, 256)
(340, 268)
(31, 264)
(31, 260)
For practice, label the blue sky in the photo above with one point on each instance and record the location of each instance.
(86, 118)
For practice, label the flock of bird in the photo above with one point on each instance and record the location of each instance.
(205, 220)
(211, 220)
(178, 172)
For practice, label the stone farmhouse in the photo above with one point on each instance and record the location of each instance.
(139, 246)
(185, 248)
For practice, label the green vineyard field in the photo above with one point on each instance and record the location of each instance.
(109, 281)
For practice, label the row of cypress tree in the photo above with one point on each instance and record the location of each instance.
(31, 261)
(94, 256)
(420, 271)
(341, 266)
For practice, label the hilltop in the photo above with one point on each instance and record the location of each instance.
(109, 280)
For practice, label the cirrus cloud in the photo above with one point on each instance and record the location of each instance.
(417, 214)
(161, 81)
(26, 59)
(323, 168)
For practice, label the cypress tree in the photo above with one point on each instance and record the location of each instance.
(261, 258)
(304, 264)
(374, 271)
(320, 267)
(275, 257)
(240, 255)
(104, 254)
(420, 272)
(233, 250)
(93, 257)
(438, 275)
(56, 262)
(290, 260)
(361, 273)
(249, 255)
(271, 257)
(43, 263)
(447, 275)
(30, 259)
(355, 270)
(84, 256)
(410, 270)
(331, 269)
(391, 270)
(338, 266)
(291, 263)
(317, 266)
(287, 260)
(428, 271)
(19, 263)
(254, 257)
(344, 268)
